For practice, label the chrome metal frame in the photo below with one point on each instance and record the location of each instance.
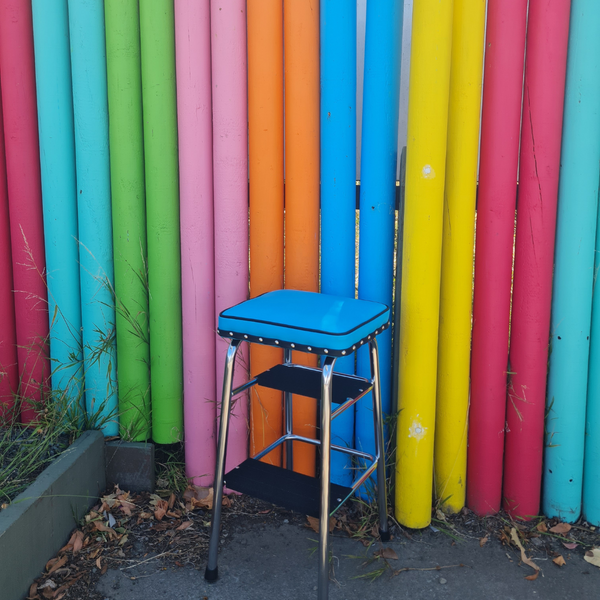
(377, 461)
(212, 571)
(289, 418)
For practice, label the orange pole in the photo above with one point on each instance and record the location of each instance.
(301, 45)
(265, 121)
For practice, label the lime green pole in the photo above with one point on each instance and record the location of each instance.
(157, 34)
(128, 215)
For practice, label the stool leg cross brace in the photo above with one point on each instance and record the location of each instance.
(377, 461)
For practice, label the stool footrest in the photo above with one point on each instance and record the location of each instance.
(282, 487)
(306, 381)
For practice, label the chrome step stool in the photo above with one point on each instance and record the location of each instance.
(329, 326)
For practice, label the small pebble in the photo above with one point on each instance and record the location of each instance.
(443, 581)
(286, 521)
(315, 588)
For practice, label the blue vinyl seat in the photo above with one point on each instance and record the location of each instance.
(305, 321)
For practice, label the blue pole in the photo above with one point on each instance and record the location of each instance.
(59, 195)
(379, 151)
(574, 268)
(338, 186)
(88, 62)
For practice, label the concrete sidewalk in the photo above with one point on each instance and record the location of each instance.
(279, 561)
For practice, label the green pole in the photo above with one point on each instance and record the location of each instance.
(128, 215)
(157, 33)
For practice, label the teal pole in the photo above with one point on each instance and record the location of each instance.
(574, 268)
(59, 196)
(88, 66)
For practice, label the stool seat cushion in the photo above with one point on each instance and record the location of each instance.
(305, 321)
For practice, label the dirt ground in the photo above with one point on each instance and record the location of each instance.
(151, 546)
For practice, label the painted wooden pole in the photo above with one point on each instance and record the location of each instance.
(422, 257)
(25, 201)
(499, 157)
(88, 64)
(194, 116)
(157, 34)
(301, 52)
(456, 295)
(59, 198)
(265, 130)
(230, 172)
(573, 269)
(543, 101)
(338, 187)
(379, 154)
(9, 369)
(126, 139)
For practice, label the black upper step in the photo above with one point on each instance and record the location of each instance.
(281, 487)
(306, 381)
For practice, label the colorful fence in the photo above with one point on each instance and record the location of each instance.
(147, 149)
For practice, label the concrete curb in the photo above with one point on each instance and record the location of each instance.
(38, 523)
(131, 465)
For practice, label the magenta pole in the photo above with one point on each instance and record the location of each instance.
(541, 134)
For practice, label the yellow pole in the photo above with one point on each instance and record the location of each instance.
(454, 353)
(422, 256)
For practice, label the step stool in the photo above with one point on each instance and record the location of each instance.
(328, 326)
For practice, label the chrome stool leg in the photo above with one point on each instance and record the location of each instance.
(289, 418)
(379, 442)
(212, 572)
(326, 396)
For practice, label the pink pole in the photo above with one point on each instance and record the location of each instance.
(25, 200)
(194, 116)
(9, 372)
(541, 134)
(499, 157)
(230, 172)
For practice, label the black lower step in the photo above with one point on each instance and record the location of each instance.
(306, 381)
(281, 487)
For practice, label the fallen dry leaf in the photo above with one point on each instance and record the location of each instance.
(102, 527)
(515, 538)
(593, 557)
(56, 564)
(313, 523)
(387, 553)
(560, 528)
(49, 583)
(199, 497)
(483, 541)
(76, 541)
(559, 560)
(171, 500)
(99, 562)
(184, 525)
(159, 513)
(542, 527)
(570, 545)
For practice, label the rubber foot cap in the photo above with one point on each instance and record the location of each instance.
(211, 575)
(384, 535)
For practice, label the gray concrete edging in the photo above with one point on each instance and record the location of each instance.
(38, 522)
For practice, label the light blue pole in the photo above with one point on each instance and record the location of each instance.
(88, 62)
(591, 466)
(59, 195)
(338, 187)
(574, 268)
(379, 151)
